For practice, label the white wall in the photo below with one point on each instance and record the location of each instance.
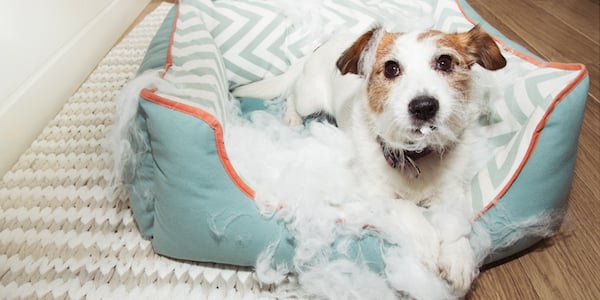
(47, 49)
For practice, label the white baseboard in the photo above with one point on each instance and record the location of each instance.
(35, 102)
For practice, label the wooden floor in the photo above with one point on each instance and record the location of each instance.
(568, 266)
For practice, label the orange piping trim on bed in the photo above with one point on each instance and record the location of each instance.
(540, 126)
(150, 96)
(535, 138)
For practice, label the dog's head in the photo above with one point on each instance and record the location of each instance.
(419, 83)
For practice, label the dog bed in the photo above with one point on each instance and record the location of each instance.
(192, 203)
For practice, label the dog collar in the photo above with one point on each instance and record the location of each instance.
(397, 158)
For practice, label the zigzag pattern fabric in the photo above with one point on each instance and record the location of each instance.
(513, 123)
(66, 232)
(259, 38)
(197, 68)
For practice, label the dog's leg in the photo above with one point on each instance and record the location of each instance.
(403, 223)
(456, 261)
(457, 264)
(291, 117)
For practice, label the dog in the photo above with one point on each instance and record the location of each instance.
(406, 100)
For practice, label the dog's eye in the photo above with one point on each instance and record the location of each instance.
(444, 63)
(392, 69)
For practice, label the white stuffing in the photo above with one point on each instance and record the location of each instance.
(306, 178)
(124, 133)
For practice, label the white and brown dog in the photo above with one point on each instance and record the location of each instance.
(405, 99)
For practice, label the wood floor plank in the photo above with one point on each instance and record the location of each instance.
(581, 16)
(547, 275)
(510, 276)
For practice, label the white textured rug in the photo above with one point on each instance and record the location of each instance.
(65, 233)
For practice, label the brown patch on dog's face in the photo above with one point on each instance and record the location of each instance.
(475, 46)
(458, 52)
(385, 71)
(350, 62)
(452, 63)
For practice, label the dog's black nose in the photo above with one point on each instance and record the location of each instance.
(423, 107)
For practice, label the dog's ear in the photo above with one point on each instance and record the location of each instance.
(482, 47)
(350, 59)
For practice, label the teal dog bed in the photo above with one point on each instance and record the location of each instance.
(190, 201)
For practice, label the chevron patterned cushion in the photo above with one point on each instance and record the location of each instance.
(186, 195)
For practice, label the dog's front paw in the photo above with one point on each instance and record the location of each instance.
(457, 265)
(292, 118)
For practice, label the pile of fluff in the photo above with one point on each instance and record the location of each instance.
(304, 175)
